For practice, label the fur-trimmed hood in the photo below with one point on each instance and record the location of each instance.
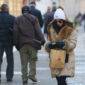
(63, 33)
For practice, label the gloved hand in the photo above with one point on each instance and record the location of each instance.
(60, 44)
(50, 46)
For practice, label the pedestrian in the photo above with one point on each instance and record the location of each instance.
(6, 40)
(36, 12)
(83, 19)
(48, 18)
(28, 36)
(62, 36)
(48, 11)
(78, 19)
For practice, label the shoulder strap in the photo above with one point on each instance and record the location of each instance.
(36, 40)
(28, 19)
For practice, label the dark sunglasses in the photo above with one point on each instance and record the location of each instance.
(60, 21)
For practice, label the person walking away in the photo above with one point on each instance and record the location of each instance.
(48, 18)
(28, 36)
(48, 11)
(36, 13)
(62, 36)
(83, 19)
(6, 40)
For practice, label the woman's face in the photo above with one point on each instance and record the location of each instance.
(59, 22)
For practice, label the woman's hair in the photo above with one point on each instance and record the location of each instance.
(56, 27)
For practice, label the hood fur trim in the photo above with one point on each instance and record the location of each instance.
(64, 32)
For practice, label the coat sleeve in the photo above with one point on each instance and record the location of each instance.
(39, 34)
(15, 32)
(46, 22)
(40, 19)
(71, 41)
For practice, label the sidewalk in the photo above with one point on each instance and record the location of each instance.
(43, 70)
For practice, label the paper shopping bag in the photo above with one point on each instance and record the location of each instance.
(57, 58)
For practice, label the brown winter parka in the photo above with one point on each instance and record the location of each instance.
(25, 32)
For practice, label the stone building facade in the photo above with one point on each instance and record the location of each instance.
(14, 6)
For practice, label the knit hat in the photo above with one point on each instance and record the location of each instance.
(59, 14)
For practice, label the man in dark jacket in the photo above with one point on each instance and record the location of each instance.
(36, 13)
(83, 19)
(28, 36)
(48, 18)
(6, 40)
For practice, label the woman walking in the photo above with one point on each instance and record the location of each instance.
(62, 35)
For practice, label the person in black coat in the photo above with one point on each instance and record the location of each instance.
(83, 19)
(48, 18)
(6, 40)
(36, 13)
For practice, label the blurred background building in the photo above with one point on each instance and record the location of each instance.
(82, 6)
(1, 1)
(72, 7)
(14, 5)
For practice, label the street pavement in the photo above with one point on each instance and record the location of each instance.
(43, 70)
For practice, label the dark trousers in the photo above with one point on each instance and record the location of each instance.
(8, 49)
(61, 80)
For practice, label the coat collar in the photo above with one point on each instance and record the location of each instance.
(4, 12)
(65, 31)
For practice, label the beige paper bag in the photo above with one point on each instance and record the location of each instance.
(57, 58)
